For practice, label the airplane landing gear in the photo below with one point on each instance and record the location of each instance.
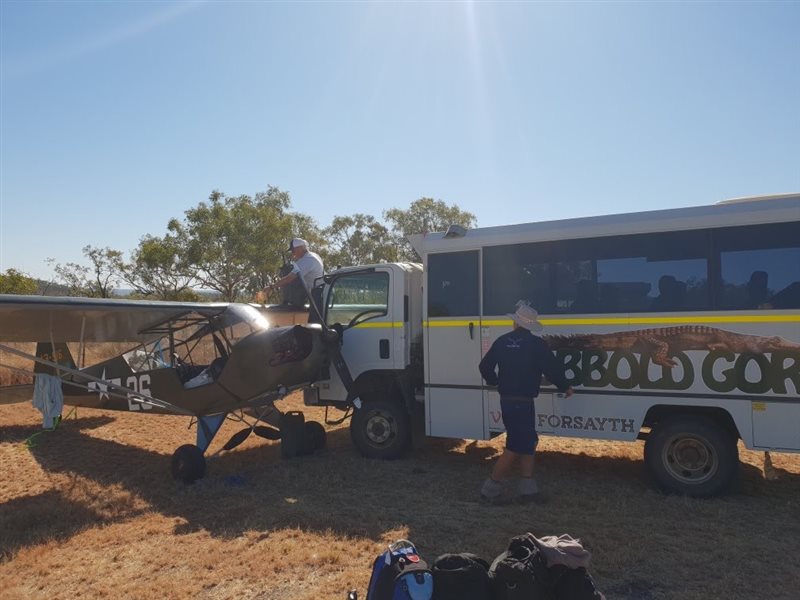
(188, 463)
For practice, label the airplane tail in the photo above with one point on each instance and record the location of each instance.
(57, 352)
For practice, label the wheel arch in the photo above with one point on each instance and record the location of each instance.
(389, 384)
(661, 412)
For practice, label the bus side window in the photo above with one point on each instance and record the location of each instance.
(671, 294)
(759, 266)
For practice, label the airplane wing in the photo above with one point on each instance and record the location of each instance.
(56, 319)
(86, 320)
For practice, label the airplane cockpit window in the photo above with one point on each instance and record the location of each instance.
(148, 357)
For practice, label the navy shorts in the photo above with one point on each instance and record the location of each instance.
(519, 418)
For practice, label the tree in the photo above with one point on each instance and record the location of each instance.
(236, 245)
(17, 282)
(106, 270)
(359, 240)
(74, 277)
(97, 281)
(425, 215)
(158, 269)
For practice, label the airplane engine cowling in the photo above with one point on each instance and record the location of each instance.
(281, 356)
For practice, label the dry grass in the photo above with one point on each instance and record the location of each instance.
(91, 512)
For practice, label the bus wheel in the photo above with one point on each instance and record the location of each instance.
(381, 429)
(691, 455)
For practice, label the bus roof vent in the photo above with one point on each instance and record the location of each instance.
(455, 231)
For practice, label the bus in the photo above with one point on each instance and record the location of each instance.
(678, 327)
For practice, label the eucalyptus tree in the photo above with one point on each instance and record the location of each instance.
(158, 269)
(359, 239)
(424, 215)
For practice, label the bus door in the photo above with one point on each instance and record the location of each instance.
(453, 385)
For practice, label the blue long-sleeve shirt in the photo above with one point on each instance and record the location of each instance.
(522, 358)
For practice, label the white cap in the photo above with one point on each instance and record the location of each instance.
(296, 243)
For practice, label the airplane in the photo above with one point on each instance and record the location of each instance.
(210, 362)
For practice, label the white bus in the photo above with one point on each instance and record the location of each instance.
(680, 327)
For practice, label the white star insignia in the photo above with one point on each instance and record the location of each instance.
(101, 388)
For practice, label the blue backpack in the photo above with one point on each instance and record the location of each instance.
(400, 574)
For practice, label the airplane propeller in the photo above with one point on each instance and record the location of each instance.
(237, 438)
(268, 433)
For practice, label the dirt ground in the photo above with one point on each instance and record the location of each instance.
(90, 511)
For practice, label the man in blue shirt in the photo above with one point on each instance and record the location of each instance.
(515, 364)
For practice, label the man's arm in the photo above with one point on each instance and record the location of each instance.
(282, 281)
(555, 373)
(487, 367)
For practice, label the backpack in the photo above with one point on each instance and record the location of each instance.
(460, 577)
(573, 584)
(521, 572)
(400, 574)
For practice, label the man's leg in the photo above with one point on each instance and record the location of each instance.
(504, 467)
(527, 488)
(526, 463)
(492, 488)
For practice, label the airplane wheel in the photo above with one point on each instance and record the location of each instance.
(188, 463)
(315, 433)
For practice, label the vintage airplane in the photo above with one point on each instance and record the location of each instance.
(211, 362)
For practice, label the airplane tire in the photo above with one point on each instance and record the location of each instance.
(692, 455)
(188, 464)
(381, 428)
(316, 435)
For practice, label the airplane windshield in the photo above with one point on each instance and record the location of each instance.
(243, 313)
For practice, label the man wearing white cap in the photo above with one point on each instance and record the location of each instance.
(307, 267)
(515, 364)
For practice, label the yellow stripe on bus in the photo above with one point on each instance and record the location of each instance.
(702, 319)
(379, 325)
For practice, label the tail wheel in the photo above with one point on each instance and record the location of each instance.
(381, 429)
(188, 463)
(692, 455)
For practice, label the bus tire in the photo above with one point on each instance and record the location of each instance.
(692, 455)
(381, 428)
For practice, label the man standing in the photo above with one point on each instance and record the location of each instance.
(522, 358)
(307, 268)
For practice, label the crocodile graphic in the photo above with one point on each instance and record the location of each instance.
(661, 343)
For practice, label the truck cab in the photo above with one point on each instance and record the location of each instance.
(378, 311)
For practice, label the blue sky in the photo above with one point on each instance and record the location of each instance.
(117, 116)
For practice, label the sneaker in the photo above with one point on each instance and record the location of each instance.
(528, 491)
(492, 492)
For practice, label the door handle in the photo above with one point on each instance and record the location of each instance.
(471, 330)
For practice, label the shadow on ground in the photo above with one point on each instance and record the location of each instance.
(606, 501)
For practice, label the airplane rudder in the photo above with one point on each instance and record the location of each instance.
(57, 352)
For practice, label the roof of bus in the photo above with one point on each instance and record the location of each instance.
(729, 213)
